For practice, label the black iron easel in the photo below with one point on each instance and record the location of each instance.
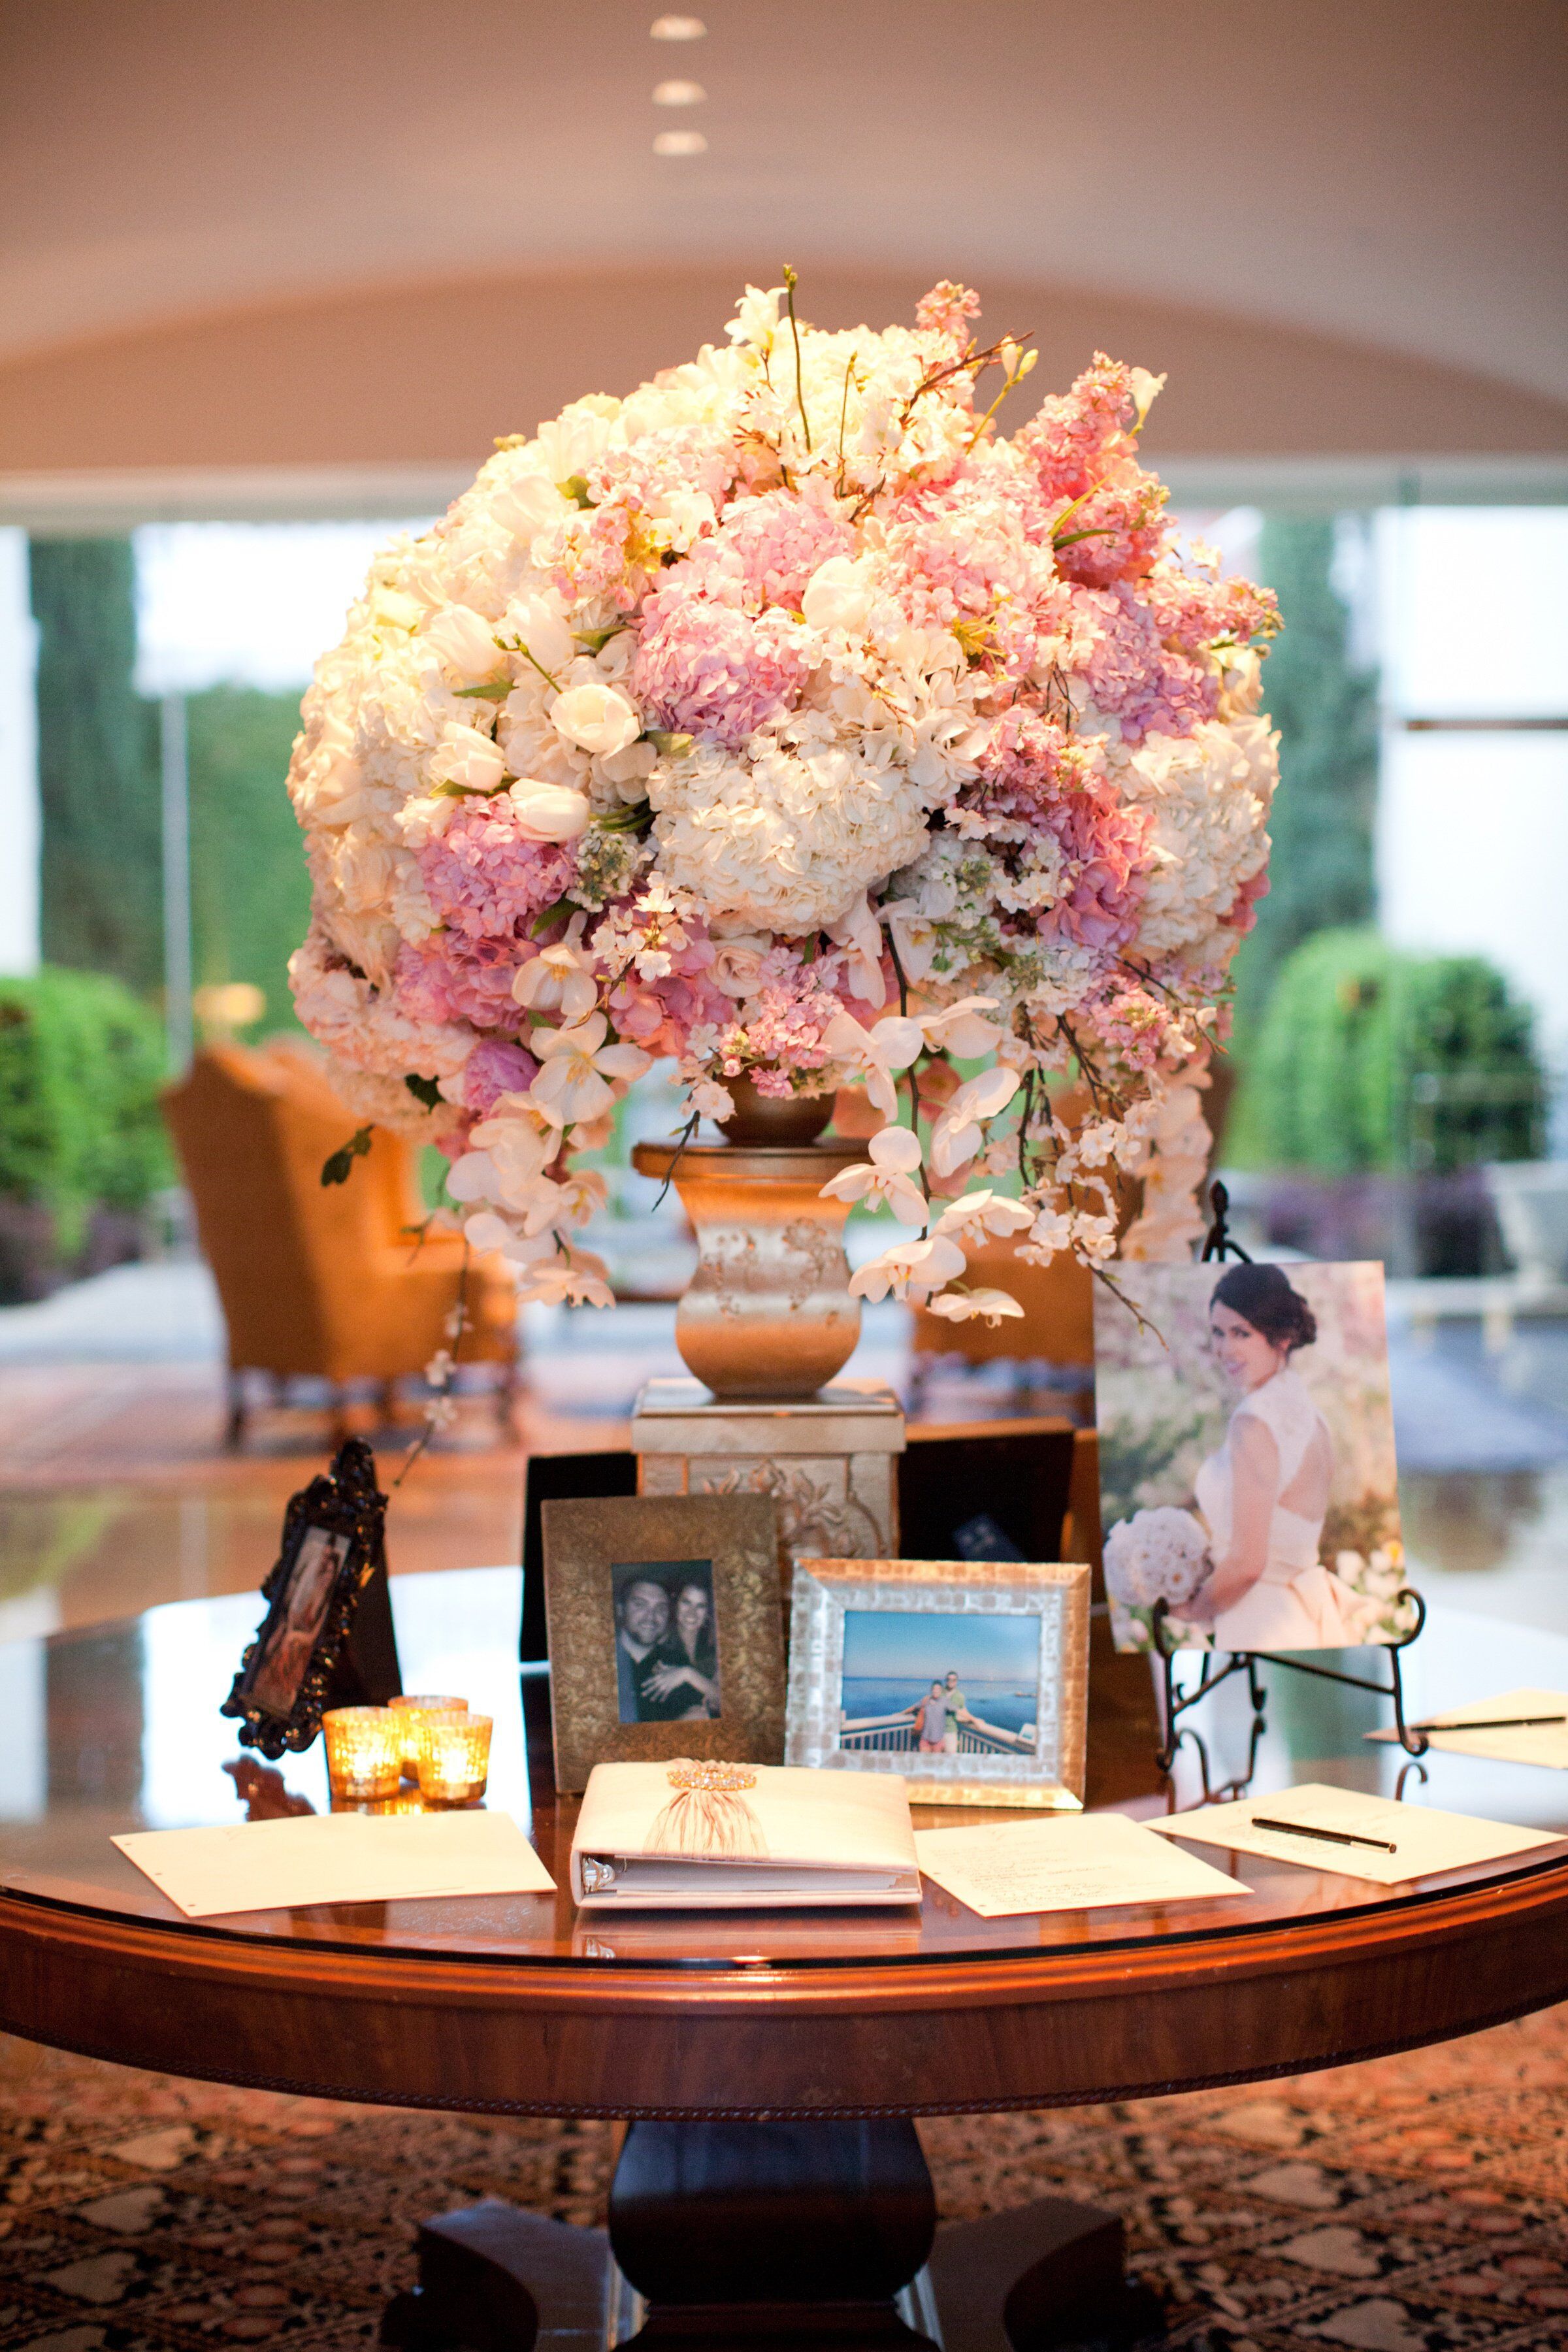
(1219, 1244)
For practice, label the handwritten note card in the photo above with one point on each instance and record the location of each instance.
(1539, 1743)
(1423, 1841)
(1077, 1863)
(337, 1858)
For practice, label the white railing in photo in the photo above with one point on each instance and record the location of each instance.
(896, 1734)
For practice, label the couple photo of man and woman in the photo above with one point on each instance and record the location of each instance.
(666, 1659)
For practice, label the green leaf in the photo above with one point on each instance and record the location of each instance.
(337, 1167)
(425, 1090)
(495, 690)
(593, 641)
(548, 915)
(576, 487)
(669, 747)
(1072, 537)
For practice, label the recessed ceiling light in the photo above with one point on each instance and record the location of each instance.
(679, 93)
(681, 142)
(677, 28)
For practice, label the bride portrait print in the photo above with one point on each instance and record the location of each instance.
(1246, 1457)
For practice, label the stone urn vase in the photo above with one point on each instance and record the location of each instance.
(767, 1317)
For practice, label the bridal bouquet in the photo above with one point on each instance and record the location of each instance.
(1156, 1555)
(785, 720)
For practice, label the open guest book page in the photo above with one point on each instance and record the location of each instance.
(1516, 1727)
(337, 1858)
(1354, 1835)
(688, 1836)
(1077, 1863)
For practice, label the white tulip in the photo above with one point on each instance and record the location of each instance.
(538, 624)
(549, 812)
(595, 717)
(466, 757)
(464, 644)
(527, 505)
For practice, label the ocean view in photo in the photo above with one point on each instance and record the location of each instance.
(1007, 1704)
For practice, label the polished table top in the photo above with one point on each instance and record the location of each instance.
(117, 1728)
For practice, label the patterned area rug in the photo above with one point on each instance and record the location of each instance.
(1414, 2204)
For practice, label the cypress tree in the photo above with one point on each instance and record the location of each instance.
(101, 885)
(1321, 872)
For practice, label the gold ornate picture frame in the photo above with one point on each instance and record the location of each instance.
(1017, 1633)
(723, 1546)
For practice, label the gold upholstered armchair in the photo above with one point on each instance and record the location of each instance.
(321, 1280)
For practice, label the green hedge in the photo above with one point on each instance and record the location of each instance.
(82, 1061)
(1369, 1058)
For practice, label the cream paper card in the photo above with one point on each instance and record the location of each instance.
(337, 1858)
(1079, 1863)
(1541, 1743)
(1423, 1841)
(781, 1835)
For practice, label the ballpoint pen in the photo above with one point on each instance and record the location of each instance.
(1330, 1837)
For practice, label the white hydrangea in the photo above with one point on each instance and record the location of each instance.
(1208, 794)
(786, 840)
(358, 1025)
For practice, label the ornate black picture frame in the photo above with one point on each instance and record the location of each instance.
(326, 1639)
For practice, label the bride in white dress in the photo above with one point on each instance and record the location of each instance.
(1264, 1494)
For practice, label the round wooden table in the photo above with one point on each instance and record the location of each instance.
(769, 2063)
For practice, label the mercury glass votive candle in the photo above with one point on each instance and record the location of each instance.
(454, 1757)
(410, 1707)
(364, 1751)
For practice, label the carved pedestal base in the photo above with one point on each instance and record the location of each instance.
(787, 2235)
(831, 1460)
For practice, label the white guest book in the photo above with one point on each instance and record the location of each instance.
(705, 1837)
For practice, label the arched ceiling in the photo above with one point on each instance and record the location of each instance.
(235, 233)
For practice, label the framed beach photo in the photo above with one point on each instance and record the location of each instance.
(665, 1626)
(1246, 1460)
(327, 1636)
(968, 1678)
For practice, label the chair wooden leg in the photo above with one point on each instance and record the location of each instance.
(337, 1420)
(506, 1393)
(238, 1412)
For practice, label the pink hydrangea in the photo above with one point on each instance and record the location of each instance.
(1129, 675)
(704, 668)
(1107, 846)
(965, 553)
(766, 549)
(661, 1014)
(485, 879)
(1242, 912)
(495, 1067)
(452, 977)
(786, 1030)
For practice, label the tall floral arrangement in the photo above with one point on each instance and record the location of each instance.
(786, 720)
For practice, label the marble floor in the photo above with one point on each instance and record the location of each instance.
(115, 1492)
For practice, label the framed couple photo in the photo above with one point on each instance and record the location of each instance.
(1247, 1476)
(967, 1678)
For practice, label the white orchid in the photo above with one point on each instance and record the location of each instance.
(984, 1213)
(961, 1031)
(964, 1305)
(860, 935)
(912, 1269)
(888, 1046)
(887, 1176)
(576, 1070)
(559, 979)
(956, 1137)
(708, 1099)
(488, 1230)
(579, 1280)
